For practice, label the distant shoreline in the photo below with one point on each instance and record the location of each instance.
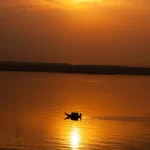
(69, 68)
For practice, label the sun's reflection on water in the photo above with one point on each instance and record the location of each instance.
(74, 138)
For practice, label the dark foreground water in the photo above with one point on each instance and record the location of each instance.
(115, 111)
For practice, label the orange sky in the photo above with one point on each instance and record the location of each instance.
(115, 32)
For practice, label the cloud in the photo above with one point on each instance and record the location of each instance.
(30, 4)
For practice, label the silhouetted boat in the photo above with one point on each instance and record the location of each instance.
(74, 116)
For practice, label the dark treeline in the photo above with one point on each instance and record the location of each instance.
(68, 68)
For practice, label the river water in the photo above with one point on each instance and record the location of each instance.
(115, 111)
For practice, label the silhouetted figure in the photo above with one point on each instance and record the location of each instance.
(74, 116)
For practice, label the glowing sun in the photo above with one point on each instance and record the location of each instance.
(88, 1)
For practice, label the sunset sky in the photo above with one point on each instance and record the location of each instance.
(110, 32)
